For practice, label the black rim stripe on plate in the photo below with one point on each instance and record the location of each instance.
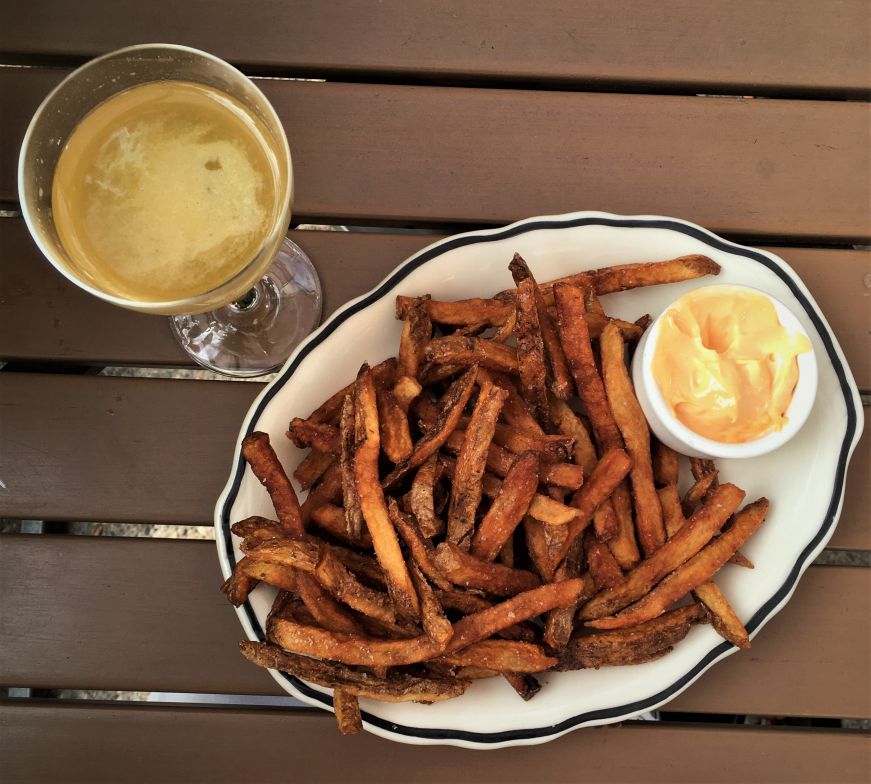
(758, 618)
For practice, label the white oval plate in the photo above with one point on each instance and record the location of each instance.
(804, 480)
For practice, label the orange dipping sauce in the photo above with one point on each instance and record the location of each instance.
(725, 365)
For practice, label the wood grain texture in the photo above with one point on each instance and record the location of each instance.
(756, 45)
(91, 743)
(105, 444)
(44, 317)
(180, 634)
(368, 153)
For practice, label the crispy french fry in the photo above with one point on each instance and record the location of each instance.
(420, 548)
(690, 574)
(416, 333)
(397, 687)
(433, 619)
(702, 466)
(604, 569)
(506, 330)
(347, 431)
(553, 448)
(672, 512)
(304, 433)
(270, 573)
(468, 351)
(530, 350)
(508, 508)
(698, 531)
(639, 644)
(328, 411)
(523, 683)
(523, 606)
(514, 409)
(459, 312)
(421, 499)
(239, 585)
(500, 656)
(325, 610)
(312, 468)
(372, 502)
(665, 464)
(266, 466)
(469, 572)
(405, 390)
(636, 435)
(450, 411)
(327, 490)
(697, 492)
(560, 621)
(347, 709)
(471, 461)
(393, 424)
(723, 617)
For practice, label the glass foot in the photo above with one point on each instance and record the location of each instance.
(259, 331)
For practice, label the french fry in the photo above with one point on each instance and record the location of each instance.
(530, 350)
(406, 390)
(270, 573)
(553, 448)
(459, 312)
(326, 611)
(569, 424)
(701, 466)
(506, 330)
(636, 645)
(604, 569)
(365, 567)
(312, 468)
(397, 687)
(471, 461)
(327, 490)
(691, 573)
(500, 656)
(304, 433)
(416, 333)
(466, 351)
(508, 508)
(393, 424)
(723, 617)
(372, 503)
(560, 621)
(523, 683)
(450, 411)
(353, 514)
(420, 548)
(266, 466)
(636, 435)
(433, 619)
(347, 709)
(697, 492)
(421, 499)
(238, 586)
(697, 532)
(514, 409)
(522, 607)
(469, 572)
(672, 512)
(665, 465)
(328, 411)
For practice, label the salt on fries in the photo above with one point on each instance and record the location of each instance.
(489, 503)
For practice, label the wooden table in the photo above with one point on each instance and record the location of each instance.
(750, 118)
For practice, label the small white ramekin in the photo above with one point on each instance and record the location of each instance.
(678, 436)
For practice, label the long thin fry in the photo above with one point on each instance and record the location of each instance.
(421, 497)
(604, 569)
(353, 513)
(468, 351)
(723, 618)
(530, 350)
(266, 466)
(469, 572)
(420, 548)
(500, 656)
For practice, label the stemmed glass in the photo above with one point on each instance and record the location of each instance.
(249, 324)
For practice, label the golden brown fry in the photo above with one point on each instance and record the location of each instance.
(500, 656)
(450, 410)
(347, 709)
(604, 569)
(609, 472)
(372, 503)
(506, 330)
(514, 410)
(322, 437)
(592, 302)
(697, 492)
(325, 610)
(393, 424)
(433, 619)
(469, 572)
(560, 621)
(698, 531)
(312, 468)
(702, 466)
(405, 391)
(468, 351)
(328, 490)
(420, 548)
(523, 683)
(665, 465)
(636, 645)
(605, 522)
(723, 617)
(347, 431)
(739, 559)
(636, 435)
(350, 648)
(416, 333)
(672, 513)
(275, 574)
(508, 508)
(569, 424)
(328, 411)
(459, 312)
(471, 461)
(692, 573)
(397, 687)
(269, 471)
(553, 448)
(363, 566)
(420, 497)
(238, 585)
(530, 350)
(526, 605)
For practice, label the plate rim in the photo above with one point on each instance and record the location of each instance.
(532, 735)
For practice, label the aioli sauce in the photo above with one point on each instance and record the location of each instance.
(725, 365)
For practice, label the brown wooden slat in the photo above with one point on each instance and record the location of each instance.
(180, 634)
(83, 329)
(102, 743)
(445, 155)
(773, 45)
(105, 444)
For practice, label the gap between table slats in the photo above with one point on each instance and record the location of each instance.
(159, 450)
(756, 48)
(102, 743)
(82, 329)
(180, 634)
(369, 153)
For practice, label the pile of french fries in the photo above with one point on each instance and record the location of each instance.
(489, 503)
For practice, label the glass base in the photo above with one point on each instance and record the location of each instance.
(257, 333)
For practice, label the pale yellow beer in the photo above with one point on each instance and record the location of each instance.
(166, 191)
